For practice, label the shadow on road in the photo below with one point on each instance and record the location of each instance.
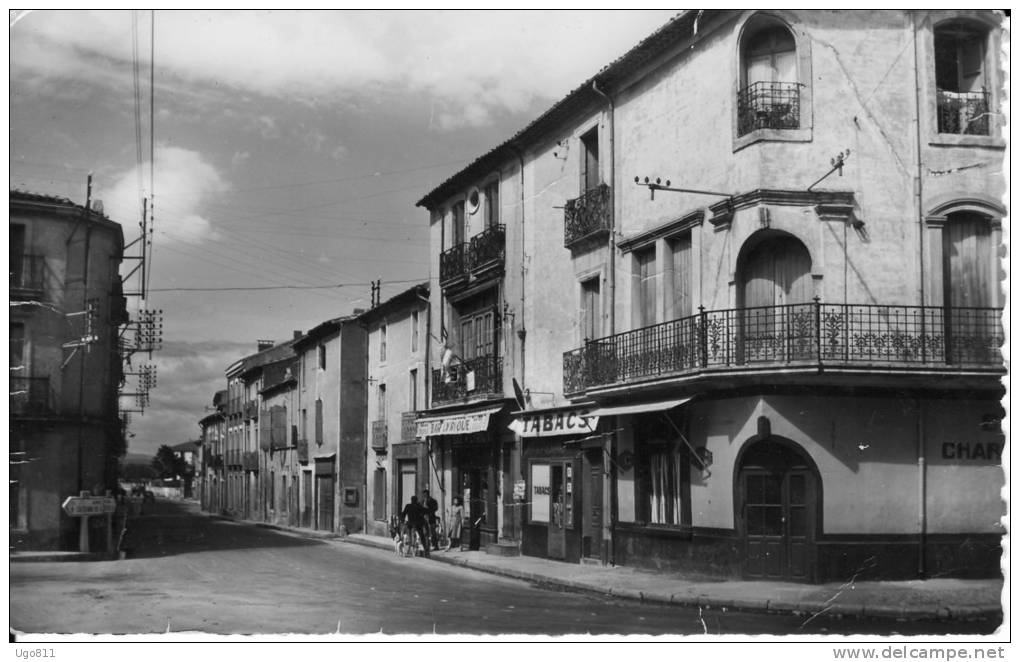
(171, 528)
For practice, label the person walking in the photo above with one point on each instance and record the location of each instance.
(414, 515)
(432, 513)
(456, 522)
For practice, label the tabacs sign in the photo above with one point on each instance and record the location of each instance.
(555, 423)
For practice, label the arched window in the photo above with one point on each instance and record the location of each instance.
(961, 79)
(968, 261)
(769, 96)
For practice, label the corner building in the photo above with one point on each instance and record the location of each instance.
(785, 344)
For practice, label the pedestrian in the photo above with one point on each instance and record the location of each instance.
(432, 511)
(414, 516)
(456, 522)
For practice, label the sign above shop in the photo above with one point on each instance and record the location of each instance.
(476, 421)
(554, 422)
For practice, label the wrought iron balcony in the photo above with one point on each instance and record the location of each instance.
(813, 334)
(453, 265)
(475, 377)
(28, 277)
(487, 250)
(31, 396)
(587, 216)
(768, 105)
(379, 435)
(408, 426)
(963, 112)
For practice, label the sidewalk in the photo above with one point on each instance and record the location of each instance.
(943, 599)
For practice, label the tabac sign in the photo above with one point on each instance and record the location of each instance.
(554, 423)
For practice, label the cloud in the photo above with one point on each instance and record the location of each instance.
(473, 65)
(183, 180)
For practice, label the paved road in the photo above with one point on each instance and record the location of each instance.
(189, 572)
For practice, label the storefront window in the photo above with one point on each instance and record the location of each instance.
(664, 483)
(540, 490)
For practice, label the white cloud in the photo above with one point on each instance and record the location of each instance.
(182, 181)
(470, 64)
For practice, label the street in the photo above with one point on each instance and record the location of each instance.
(189, 572)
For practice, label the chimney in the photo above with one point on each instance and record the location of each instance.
(264, 345)
(359, 311)
(297, 334)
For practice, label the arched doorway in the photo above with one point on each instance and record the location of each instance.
(777, 502)
(775, 293)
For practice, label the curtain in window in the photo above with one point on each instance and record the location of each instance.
(665, 469)
(681, 277)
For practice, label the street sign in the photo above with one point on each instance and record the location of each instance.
(86, 506)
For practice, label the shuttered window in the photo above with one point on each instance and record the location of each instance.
(644, 262)
(590, 177)
(591, 318)
(318, 422)
(680, 301)
(492, 204)
(968, 261)
(278, 414)
(265, 430)
(379, 495)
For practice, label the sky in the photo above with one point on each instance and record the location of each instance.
(288, 150)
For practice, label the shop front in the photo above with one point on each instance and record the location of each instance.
(565, 492)
(468, 458)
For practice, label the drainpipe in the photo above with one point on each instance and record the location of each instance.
(609, 485)
(918, 181)
(922, 488)
(522, 335)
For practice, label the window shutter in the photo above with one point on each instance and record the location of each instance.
(279, 433)
(318, 422)
(265, 430)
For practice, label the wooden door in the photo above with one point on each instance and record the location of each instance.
(777, 527)
(775, 292)
(306, 512)
(591, 507)
(326, 487)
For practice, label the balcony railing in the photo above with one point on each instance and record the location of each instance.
(379, 434)
(963, 112)
(408, 426)
(487, 249)
(768, 105)
(587, 216)
(453, 264)
(28, 278)
(31, 396)
(474, 377)
(813, 334)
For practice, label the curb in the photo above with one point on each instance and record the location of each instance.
(884, 612)
(63, 557)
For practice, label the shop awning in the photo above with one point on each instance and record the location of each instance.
(554, 422)
(645, 407)
(459, 423)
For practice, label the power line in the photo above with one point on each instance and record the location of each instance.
(281, 287)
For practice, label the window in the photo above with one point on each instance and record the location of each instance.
(590, 177)
(322, 357)
(17, 252)
(960, 79)
(591, 320)
(458, 230)
(969, 264)
(412, 389)
(492, 204)
(379, 495)
(769, 97)
(17, 357)
(304, 424)
(664, 472)
(478, 327)
(382, 402)
(382, 343)
(415, 326)
(645, 299)
(318, 423)
(679, 304)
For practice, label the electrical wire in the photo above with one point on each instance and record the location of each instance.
(283, 287)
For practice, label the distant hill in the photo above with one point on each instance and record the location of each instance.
(137, 458)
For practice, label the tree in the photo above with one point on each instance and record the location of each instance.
(168, 464)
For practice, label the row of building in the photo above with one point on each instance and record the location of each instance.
(732, 306)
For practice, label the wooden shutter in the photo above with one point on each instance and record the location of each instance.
(318, 422)
(265, 430)
(646, 287)
(681, 277)
(279, 430)
(967, 242)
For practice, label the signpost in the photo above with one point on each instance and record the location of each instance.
(85, 506)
